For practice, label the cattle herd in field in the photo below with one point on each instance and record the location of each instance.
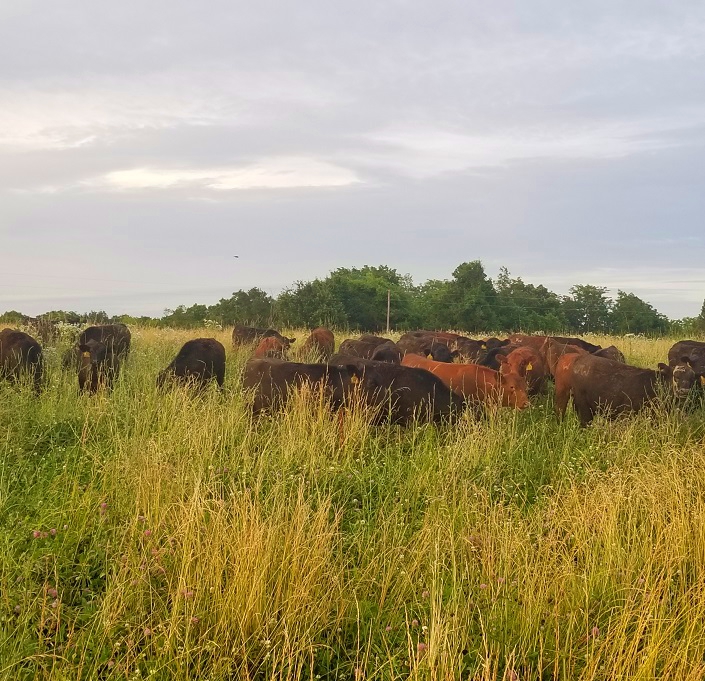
(425, 375)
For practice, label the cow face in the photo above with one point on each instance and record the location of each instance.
(93, 362)
(513, 386)
(680, 376)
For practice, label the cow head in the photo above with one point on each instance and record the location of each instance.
(680, 376)
(93, 361)
(512, 385)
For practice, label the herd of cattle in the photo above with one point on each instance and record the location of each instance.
(425, 375)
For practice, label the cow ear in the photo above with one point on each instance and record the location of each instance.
(84, 348)
(455, 354)
(686, 360)
(664, 369)
(292, 340)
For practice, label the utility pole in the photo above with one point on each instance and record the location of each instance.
(388, 300)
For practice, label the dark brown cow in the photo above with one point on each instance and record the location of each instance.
(386, 352)
(538, 341)
(274, 380)
(611, 352)
(245, 335)
(199, 361)
(402, 394)
(20, 355)
(116, 337)
(427, 346)
(272, 348)
(363, 347)
(99, 366)
(552, 351)
(613, 388)
(693, 352)
(321, 344)
(467, 348)
(476, 383)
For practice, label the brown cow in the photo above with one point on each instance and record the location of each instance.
(20, 355)
(552, 351)
(244, 335)
(99, 366)
(614, 388)
(467, 349)
(272, 348)
(363, 347)
(321, 344)
(528, 363)
(476, 383)
(538, 341)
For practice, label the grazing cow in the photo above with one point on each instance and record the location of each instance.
(528, 363)
(199, 361)
(274, 380)
(272, 348)
(611, 352)
(402, 394)
(20, 355)
(489, 358)
(476, 383)
(552, 351)
(245, 335)
(386, 352)
(99, 366)
(427, 346)
(538, 341)
(693, 351)
(599, 384)
(491, 343)
(467, 349)
(116, 337)
(363, 347)
(321, 343)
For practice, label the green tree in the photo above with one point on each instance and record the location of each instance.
(253, 307)
(311, 303)
(473, 298)
(588, 309)
(11, 317)
(522, 306)
(631, 314)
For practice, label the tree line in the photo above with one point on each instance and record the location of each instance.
(356, 299)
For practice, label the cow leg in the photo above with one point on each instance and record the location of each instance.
(584, 410)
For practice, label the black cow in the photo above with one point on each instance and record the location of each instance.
(428, 347)
(20, 355)
(386, 352)
(599, 384)
(99, 366)
(273, 381)
(402, 394)
(245, 335)
(199, 361)
(691, 351)
(363, 347)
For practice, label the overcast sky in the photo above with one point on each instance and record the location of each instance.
(144, 144)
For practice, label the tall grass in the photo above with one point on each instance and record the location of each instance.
(170, 536)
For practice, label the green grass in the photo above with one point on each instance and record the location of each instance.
(178, 539)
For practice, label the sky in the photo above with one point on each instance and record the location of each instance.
(143, 145)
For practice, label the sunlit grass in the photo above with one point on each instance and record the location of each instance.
(172, 535)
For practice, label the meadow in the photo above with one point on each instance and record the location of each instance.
(171, 536)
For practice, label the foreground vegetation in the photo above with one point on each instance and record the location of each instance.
(171, 537)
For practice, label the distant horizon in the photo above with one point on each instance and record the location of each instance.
(210, 296)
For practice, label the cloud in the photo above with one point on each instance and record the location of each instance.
(423, 151)
(270, 173)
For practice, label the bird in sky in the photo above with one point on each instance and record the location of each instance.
(236, 256)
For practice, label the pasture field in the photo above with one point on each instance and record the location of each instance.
(149, 536)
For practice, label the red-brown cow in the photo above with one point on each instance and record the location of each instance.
(528, 363)
(321, 344)
(272, 348)
(476, 383)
